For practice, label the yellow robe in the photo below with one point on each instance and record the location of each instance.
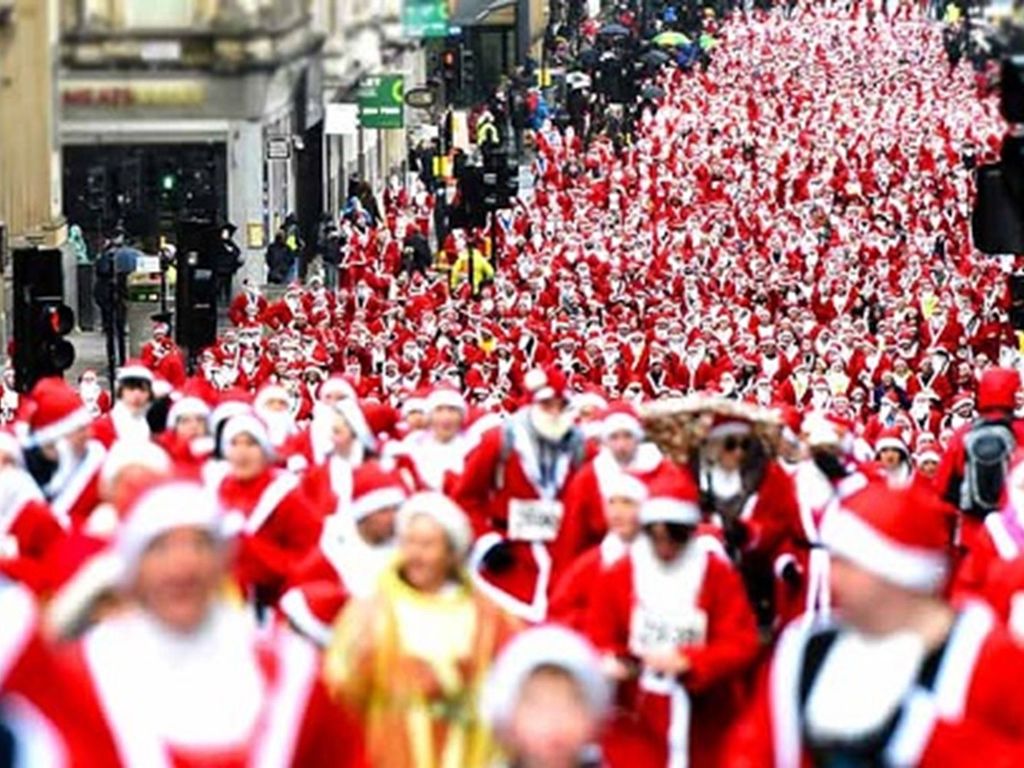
(413, 665)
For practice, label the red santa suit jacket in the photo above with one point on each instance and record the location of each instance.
(499, 488)
(698, 606)
(275, 525)
(37, 697)
(219, 697)
(73, 491)
(584, 523)
(972, 702)
(28, 530)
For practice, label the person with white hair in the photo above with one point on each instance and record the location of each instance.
(182, 677)
(412, 658)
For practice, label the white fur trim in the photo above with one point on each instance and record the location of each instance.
(166, 507)
(19, 612)
(294, 606)
(366, 505)
(782, 561)
(849, 537)
(666, 510)
(907, 744)
(39, 742)
(956, 671)
(621, 422)
(1001, 538)
(730, 429)
(286, 710)
(72, 602)
(445, 397)
(783, 690)
(188, 406)
(134, 372)
(76, 484)
(64, 426)
(444, 512)
(533, 612)
(891, 443)
(272, 495)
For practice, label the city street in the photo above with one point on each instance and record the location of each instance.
(514, 386)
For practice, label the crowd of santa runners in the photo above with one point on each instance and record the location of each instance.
(719, 468)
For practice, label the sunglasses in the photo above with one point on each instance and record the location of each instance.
(734, 443)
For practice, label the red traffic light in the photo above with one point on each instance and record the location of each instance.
(59, 318)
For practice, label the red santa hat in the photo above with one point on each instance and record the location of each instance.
(270, 392)
(134, 370)
(928, 454)
(900, 535)
(621, 417)
(445, 513)
(246, 424)
(673, 498)
(56, 411)
(545, 384)
(374, 489)
(729, 426)
(124, 454)
(997, 389)
(445, 396)
(164, 508)
(337, 385)
(891, 438)
(188, 406)
(622, 485)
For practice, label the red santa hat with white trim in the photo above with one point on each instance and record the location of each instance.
(375, 489)
(899, 534)
(621, 417)
(134, 370)
(445, 396)
(891, 438)
(164, 508)
(247, 424)
(673, 498)
(56, 411)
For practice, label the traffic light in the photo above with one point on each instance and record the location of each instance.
(41, 318)
(198, 242)
(469, 73)
(451, 66)
(500, 180)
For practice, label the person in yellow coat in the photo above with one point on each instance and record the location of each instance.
(413, 658)
(474, 266)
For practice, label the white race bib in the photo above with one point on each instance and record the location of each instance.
(649, 631)
(534, 519)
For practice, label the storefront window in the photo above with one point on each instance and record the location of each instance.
(166, 14)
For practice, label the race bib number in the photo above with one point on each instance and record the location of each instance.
(650, 631)
(534, 519)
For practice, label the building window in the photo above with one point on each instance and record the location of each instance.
(165, 14)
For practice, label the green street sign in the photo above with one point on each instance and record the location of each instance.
(381, 101)
(425, 18)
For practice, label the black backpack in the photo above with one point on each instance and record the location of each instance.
(987, 451)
